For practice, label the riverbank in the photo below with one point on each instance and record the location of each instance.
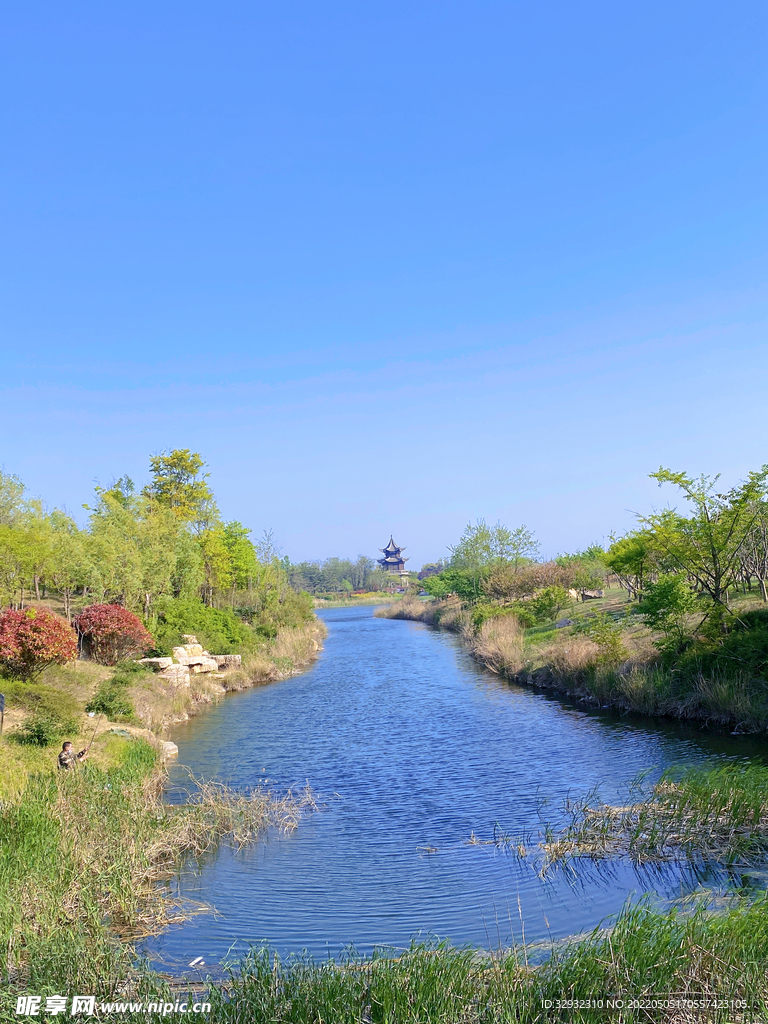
(354, 601)
(602, 655)
(82, 856)
(83, 853)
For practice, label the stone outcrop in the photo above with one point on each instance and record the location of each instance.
(190, 659)
(178, 675)
(225, 661)
(157, 664)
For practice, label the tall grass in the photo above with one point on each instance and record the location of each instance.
(81, 853)
(644, 954)
(498, 644)
(714, 815)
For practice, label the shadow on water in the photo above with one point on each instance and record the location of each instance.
(414, 748)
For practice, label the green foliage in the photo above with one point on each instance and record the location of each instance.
(218, 630)
(481, 547)
(665, 608)
(111, 699)
(526, 616)
(178, 484)
(606, 633)
(51, 713)
(547, 604)
(707, 545)
(483, 612)
(743, 650)
(461, 582)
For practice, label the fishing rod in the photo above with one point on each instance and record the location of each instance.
(93, 737)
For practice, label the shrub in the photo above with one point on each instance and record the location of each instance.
(218, 630)
(51, 713)
(548, 603)
(665, 607)
(111, 700)
(606, 634)
(32, 639)
(111, 633)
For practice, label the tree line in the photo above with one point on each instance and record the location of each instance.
(142, 548)
(718, 543)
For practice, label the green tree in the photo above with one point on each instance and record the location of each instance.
(69, 567)
(178, 484)
(707, 544)
(481, 547)
(665, 607)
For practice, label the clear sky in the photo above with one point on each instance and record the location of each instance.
(387, 267)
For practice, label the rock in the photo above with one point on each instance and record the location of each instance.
(591, 595)
(563, 623)
(178, 675)
(181, 656)
(157, 664)
(202, 664)
(188, 638)
(194, 650)
(573, 594)
(227, 660)
(168, 749)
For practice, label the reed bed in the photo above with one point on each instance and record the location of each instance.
(645, 955)
(81, 854)
(706, 814)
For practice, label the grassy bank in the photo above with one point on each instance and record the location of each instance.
(645, 956)
(605, 656)
(379, 597)
(81, 855)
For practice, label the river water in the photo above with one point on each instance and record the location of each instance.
(412, 747)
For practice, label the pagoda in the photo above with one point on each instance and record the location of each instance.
(393, 560)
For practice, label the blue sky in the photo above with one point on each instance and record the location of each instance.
(388, 268)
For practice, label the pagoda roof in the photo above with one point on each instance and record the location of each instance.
(391, 548)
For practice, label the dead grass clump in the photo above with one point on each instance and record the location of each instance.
(499, 645)
(575, 658)
(216, 812)
(410, 608)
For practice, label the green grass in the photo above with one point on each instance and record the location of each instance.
(644, 954)
(81, 853)
(705, 814)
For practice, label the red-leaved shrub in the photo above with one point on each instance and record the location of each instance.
(111, 633)
(32, 639)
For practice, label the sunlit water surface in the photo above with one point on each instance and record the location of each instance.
(412, 748)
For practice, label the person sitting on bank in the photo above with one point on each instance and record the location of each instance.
(68, 758)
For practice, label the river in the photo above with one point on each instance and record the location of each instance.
(412, 747)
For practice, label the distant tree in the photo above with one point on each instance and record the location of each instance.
(360, 570)
(631, 559)
(754, 555)
(481, 547)
(431, 569)
(32, 639)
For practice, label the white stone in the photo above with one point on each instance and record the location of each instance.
(181, 656)
(169, 749)
(201, 664)
(157, 664)
(176, 674)
(227, 660)
(193, 650)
